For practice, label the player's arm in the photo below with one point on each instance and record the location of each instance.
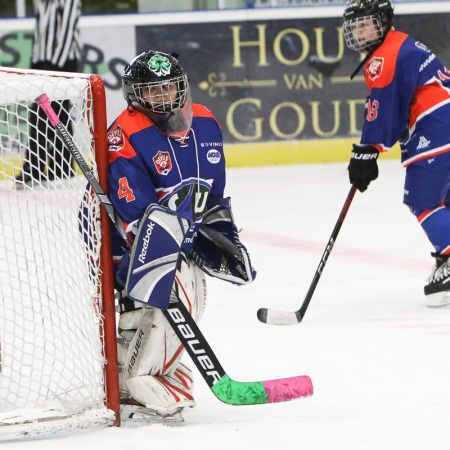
(391, 94)
(386, 113)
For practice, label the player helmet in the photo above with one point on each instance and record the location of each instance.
(366, 23)
(155, 84)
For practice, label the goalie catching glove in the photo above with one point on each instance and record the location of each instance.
(217, 249)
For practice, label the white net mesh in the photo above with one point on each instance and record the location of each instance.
(51, 354)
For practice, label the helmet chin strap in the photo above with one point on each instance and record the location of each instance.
(179, 135)
(361, 64)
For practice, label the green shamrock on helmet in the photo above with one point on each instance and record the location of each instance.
(159, 64)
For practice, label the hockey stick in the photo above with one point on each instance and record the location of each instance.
(223, 387)
(275, 317)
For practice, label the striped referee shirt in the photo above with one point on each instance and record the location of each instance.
(56, 34)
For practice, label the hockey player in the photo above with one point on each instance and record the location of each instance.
(409, 102)
(166, 179)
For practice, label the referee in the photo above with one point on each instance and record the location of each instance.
(56, 47)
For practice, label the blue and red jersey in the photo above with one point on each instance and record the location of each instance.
(409, 100)
(145, 167)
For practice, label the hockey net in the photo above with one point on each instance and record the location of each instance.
(57, 329)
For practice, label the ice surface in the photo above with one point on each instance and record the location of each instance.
(379, 358)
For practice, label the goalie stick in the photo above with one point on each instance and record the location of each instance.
(223, 387)
(275, 317)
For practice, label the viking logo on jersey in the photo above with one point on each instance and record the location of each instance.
(375, 68)
(115, 139)
(162, 162)
(160, 65)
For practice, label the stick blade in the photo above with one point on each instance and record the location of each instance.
(286, 389)
(234, 392)
(274, 317)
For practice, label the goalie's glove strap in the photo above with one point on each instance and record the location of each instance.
(124, 304)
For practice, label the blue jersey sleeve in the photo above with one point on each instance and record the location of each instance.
(391, 76)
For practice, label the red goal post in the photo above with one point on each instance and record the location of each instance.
(58, 356)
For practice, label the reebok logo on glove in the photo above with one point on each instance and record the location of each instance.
(146, 241)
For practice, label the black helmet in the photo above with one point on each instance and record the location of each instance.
(366, 23)
(156, 84)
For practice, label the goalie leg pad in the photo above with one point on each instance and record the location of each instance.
(165, 349)
(154, 256)
(152, 373)
(164, 394)
(135, 328)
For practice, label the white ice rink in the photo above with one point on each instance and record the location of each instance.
(379, 358)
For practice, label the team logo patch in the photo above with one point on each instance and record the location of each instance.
(115, 139)
(162, 162)
(375, 68)
(213, 156)
(159, 65)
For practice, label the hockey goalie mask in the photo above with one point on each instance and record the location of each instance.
(366, 23)
(155, 84)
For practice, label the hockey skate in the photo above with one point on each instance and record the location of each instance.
(437, 290)
(157, 399)
(134, 413)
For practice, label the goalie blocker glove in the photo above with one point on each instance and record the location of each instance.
(217, 249)
(148, 270)
(363, 167)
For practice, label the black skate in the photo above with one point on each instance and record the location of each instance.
(437, 291)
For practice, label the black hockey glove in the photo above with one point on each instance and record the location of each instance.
(363, 167)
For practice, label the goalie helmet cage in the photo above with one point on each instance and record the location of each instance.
(58, 357)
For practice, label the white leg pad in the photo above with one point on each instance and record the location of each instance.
(164, 351)
(164, 394)
(151, 371)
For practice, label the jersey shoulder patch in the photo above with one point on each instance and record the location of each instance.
(128, 123)
(380, 69)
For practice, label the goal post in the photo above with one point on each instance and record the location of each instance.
(58, 356)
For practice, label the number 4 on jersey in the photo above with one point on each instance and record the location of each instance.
(125, 191)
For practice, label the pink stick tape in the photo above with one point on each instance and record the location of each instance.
(288, 388)
(44, 103)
